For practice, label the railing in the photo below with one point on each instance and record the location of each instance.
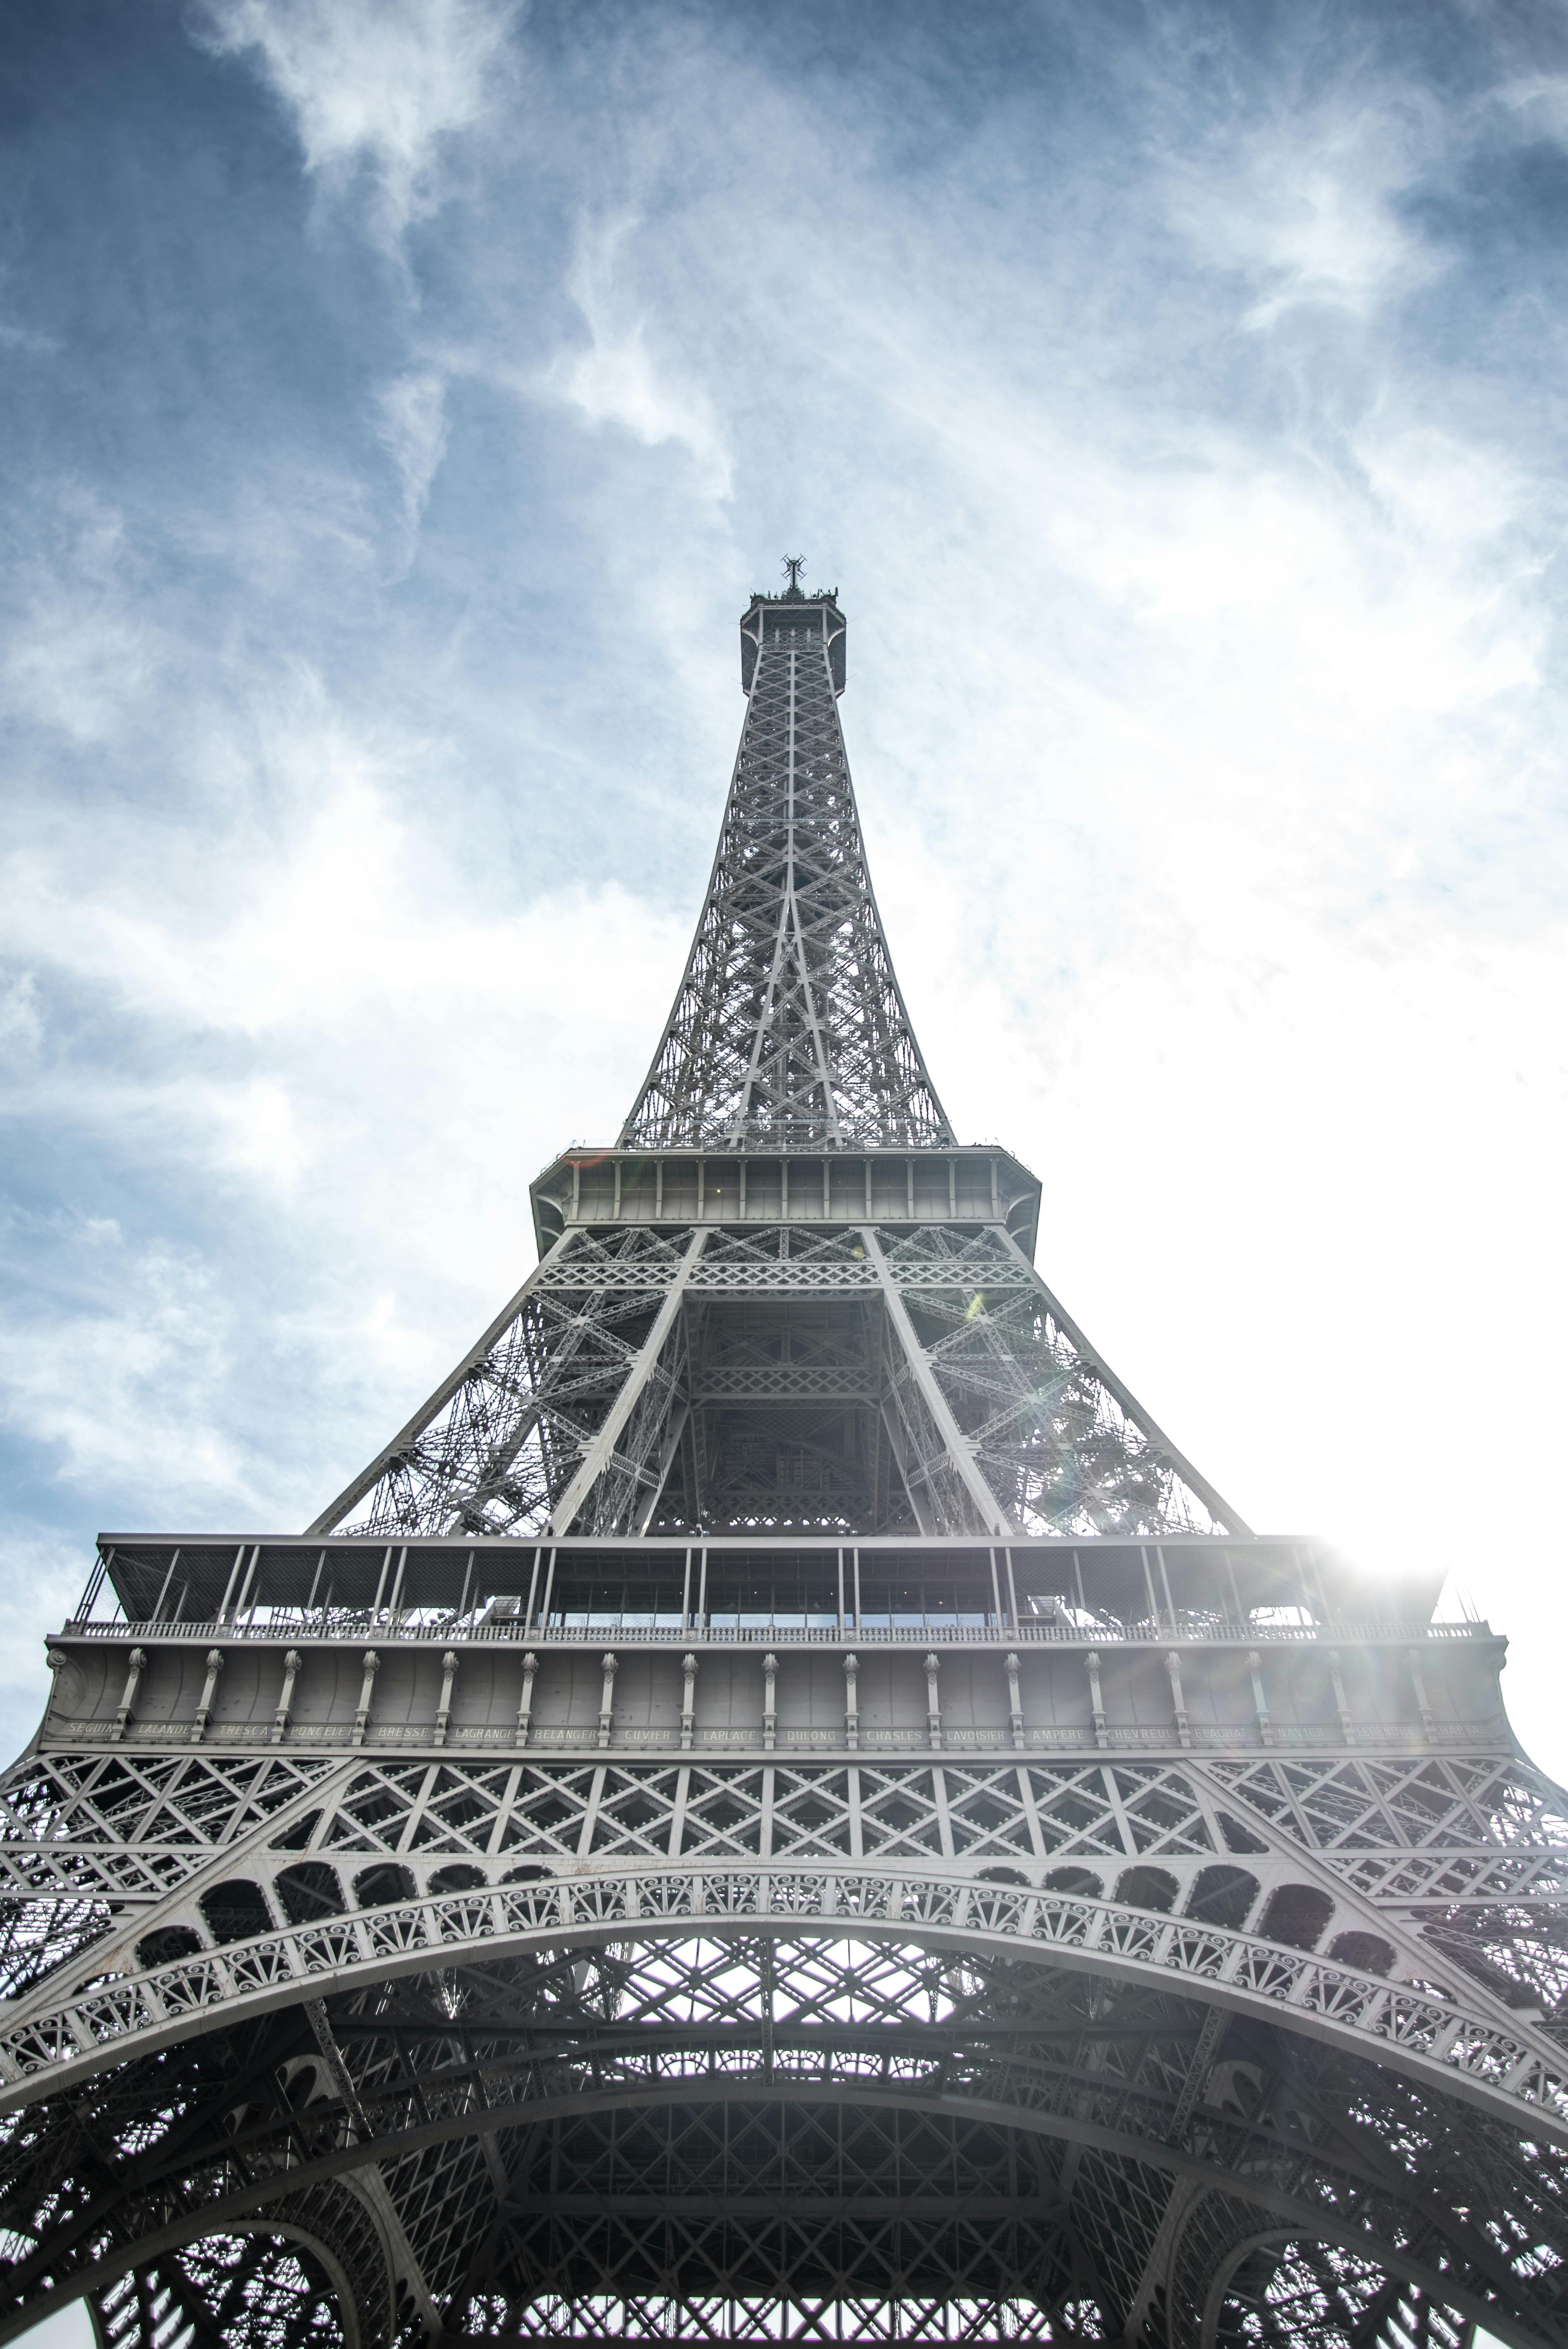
(933, 1633)
(554, 1737)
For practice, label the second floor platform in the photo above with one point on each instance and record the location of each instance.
(801, 1590)
(821, 1646)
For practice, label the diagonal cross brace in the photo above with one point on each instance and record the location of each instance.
(994, 1518)
(1214, 1502)
(371, 2181)
(601, 1451)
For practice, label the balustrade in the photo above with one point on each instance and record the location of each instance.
(758, 1738)
(289, 1626)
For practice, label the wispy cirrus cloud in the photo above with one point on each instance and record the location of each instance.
(109, 1379)
(379, 87)
(1307, 211)
(413, 428)
(617, 378)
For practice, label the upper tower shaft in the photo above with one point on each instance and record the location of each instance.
(789, 1030)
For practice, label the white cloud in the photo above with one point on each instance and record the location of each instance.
(21, 1026)
(381, 85)
(1454, 493)
(1306, 210)
(14, 337)
(413, 428)
(617, 379)
(346, 914)
(79, 655)
(114, 1381)
(339, 1032)
(1288, 602)
(1539, 100)
(78, 669)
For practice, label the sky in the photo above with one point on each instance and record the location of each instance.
(399, 401)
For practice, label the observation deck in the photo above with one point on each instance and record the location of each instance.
(761, 1644)
(688, 1189)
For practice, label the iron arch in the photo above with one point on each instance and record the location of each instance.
(1501, 2064)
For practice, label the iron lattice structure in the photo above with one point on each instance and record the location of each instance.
(781, 1806)
(789, 1031)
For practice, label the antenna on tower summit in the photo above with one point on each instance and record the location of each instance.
(794, 565)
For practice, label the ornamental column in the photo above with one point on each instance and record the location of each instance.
(933, 1710)
(1260, 1701)
(444, 1710)
(362, 1712)
(209, 1689)
(135, 1667)
(1173, 1667)
(1096, 1698)
(286, 1702)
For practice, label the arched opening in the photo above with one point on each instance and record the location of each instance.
(1295, 1915)
(236, 1911)
(1002, 1876)
(308, 1891)
(697, 2244)
(1222, 1896)
(165, 1943)
(250, 2286)
(1079, 1883)
(383, 1886)
(460, 1876)
(1365, 1952)
(1149, 1887)
(1317, 2295)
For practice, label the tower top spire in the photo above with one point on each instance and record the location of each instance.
(789, 1031)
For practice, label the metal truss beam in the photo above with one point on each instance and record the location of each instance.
(412, 1429)
(370, 2180)
(954, 1457)
(639, 1372)
(1000, 1416)
(1445, 2258)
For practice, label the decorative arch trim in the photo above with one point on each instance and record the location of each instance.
(1465, 2053)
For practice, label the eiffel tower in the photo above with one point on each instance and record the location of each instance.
(781, 1806)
